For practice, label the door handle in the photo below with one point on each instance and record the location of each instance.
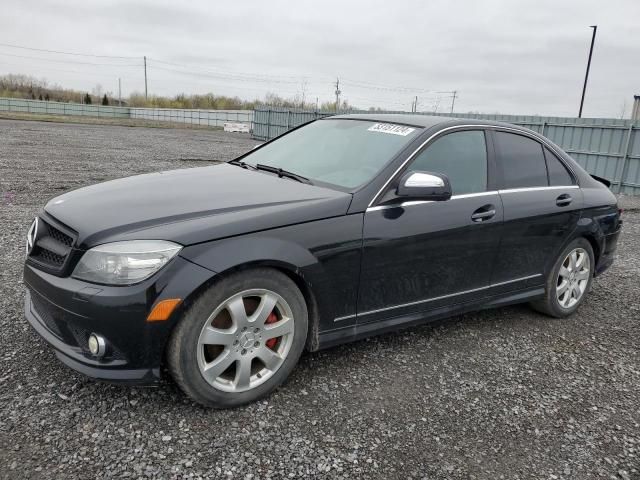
(564, 200)
(484, 213)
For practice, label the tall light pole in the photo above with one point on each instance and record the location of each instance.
(145, 77)
(586, 75)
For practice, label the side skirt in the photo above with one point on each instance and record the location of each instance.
(338, 336)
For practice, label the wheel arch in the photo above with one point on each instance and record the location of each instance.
(291, 271)
(589, 229)
(595, 246)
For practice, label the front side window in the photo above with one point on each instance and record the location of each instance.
(346, 153)
(461, 156)
(522, 161)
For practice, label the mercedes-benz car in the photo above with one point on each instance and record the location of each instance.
(343, 228)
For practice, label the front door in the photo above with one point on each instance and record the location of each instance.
(419, 256)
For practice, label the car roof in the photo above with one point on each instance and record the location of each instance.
(405, 119)
(425, 121)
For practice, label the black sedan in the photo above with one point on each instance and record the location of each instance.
(341, 229)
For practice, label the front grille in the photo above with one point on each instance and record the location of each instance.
(59, 235)
(52, 247)
(47, 257)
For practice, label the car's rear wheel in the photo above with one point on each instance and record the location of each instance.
(240, 339)
(569, 281)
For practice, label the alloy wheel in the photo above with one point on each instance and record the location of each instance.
(573, 277)
(245, 340)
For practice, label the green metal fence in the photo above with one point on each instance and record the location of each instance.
(60, 108)
(606, 147)
(211, 118)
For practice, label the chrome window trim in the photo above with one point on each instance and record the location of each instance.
(442, 297)
(536, 189)
(539, 139)
(472, 195)
(421, 202)
(403, 204)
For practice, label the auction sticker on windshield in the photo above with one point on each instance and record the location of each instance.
(392, 129)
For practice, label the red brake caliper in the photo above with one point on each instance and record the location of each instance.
(272, 318)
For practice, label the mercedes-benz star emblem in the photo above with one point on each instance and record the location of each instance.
(31, 235)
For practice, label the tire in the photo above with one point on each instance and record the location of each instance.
(561, 305)
(217, 330)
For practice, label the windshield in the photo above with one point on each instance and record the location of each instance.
(346, 153)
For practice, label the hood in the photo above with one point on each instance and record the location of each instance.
(192, 205)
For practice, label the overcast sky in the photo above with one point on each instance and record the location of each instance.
(517, 57)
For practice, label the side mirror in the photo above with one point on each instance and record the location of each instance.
(424, 186)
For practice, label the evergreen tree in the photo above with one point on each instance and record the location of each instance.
(87, 99)
(105, 100)
(40, 97)
(46, 97)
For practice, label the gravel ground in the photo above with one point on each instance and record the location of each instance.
(504, 393)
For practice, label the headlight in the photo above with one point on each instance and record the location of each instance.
(124, 263)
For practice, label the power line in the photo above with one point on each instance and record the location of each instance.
(49, 69)
(235, 75)
(215, 75)
(200, 71)
(375, 86)
(70, 61)
(209, 83)
(61, 52)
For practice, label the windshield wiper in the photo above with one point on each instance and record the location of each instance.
(242, 164)
(283, 173)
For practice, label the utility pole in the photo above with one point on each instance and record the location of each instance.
(145, 77)
(586, 75)
(338, 92)
(635, 112)
(119, 93)
(453, 99)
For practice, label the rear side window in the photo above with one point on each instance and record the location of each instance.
(558, 173)
(461, 156)
(522, 161)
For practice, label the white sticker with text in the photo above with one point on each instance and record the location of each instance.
(392, 129)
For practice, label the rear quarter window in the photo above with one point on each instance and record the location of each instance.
(558, 173)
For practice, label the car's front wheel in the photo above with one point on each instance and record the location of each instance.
(240, 339)
(569, 281)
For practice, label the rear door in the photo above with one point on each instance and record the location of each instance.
(541, 203)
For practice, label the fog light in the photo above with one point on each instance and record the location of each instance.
(97, 345)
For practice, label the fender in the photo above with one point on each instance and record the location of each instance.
(596, 225)
(324, 254)
(219, 256)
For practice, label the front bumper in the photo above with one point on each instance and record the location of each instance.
(65, 311)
